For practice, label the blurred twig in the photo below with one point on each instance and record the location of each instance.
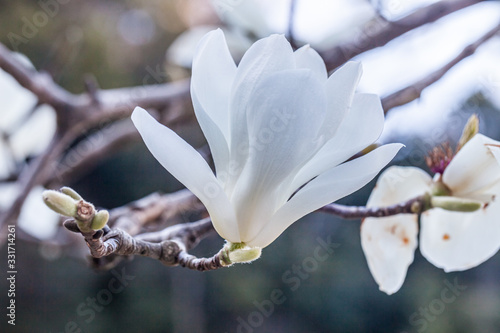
(412, 206)
(137, 214)
(76, 114)
(412, 92)
(291, 24)
(381, 32)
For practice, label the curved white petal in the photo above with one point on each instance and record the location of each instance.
(264, 58)
(285, 113)
(495, 150)
(327, 187)
(398, 184)
(213, 74)
(473, 168)
(308, 58)
(187, 165)
(389, 243)
(340, 88)
(456, 241)
(360, 128)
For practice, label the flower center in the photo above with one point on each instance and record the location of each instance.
(438, 158)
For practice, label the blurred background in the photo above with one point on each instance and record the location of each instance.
(136, 43)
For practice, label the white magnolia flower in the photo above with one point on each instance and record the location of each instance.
(277, 127)
(450, 240)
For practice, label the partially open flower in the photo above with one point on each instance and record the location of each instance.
(278, 129)
(451, 240)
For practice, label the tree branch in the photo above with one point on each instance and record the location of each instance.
(170, 252)
(96, 105)
(40, 84)
(412, 206)
(76, 114)
(171, 244)
(412, 92)
(382, 31)
(134, 216)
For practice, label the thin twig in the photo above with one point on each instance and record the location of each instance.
(412, 206)
(76, 114)
(134, 216)
(96, 104)
(29, 178)
(412, 92)
(381, 32)
(291, 24)
(170, 252)
(40, 84)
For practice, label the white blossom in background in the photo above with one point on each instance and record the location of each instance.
(450, 240)
(397, 9)
(36, 218)
(28, 128)
(277, 126)
(259, 17)
(25, 130)
(320, 23)
(182, 50)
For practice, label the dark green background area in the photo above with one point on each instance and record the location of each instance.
(336, 295)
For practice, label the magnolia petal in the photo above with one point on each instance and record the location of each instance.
(340, 88)
(457, 241)
(360, 128)
(327, 187)
(285, 114)
(389, 243)
(213, 62)
(264, 58)
(308, 58)
(495, 150)
(398, 184)
(187, 165)
(473, 169)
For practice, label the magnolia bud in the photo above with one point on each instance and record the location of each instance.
(241, 253)
(470, 129)
(72, 193)
(245, 255)
(60, 203)
(100, 219)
